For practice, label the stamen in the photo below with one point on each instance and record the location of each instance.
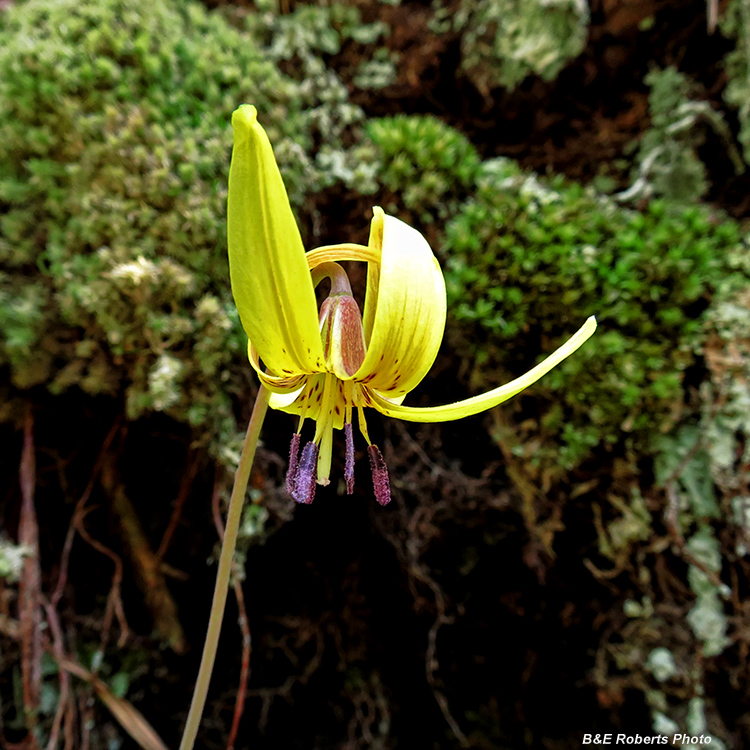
(293, 462)
(380, 481)
(363, 424)
(349, 467)
(304, 481)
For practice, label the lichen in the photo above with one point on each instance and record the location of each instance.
(661, 664)
(11, 560)
(668, 164)
(735, 24)
(504, 41)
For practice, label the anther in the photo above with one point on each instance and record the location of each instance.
(380, 481)
(349, 466)
(304, 480)
(293, 462)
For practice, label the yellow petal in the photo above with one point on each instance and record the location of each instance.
(487, 400)
(274, 383)
(308, 401)
(345, 251)
(405, 308)
(270, 279)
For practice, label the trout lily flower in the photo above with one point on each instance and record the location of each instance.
(323, 364)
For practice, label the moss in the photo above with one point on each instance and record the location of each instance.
(114, 153)
(430, 167)
(528, 261)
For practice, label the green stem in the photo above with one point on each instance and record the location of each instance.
(225, 566)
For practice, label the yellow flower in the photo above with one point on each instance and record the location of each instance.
(322, 365)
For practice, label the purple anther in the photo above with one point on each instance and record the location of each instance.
(349, 467)
(380, 482)
(291, 472)
(304, 479)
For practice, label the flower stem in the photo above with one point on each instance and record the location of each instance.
(225, 566)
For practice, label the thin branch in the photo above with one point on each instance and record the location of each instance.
(29, 589)
(78, 514)
(148, 575)
(187, 482)
(65, 697)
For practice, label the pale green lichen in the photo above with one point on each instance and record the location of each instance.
(668, 161)
(643, 609)
(633, 525)
(663, 724)
(680, 456)
(741, 513)
(504, 41)
(163, 382)
(735, 24)
(707, 617)
(12, 557)
(661, 664)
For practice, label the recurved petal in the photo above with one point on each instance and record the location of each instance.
(275, 383)
(487, 400)
(270, 278)
(405, 308)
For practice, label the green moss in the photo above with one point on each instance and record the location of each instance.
(114, 153)
(429, 166)
(527, 262)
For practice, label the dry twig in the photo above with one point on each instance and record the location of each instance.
(29, 589)
(146, 564)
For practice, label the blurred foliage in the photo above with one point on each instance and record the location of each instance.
(735, 23)
(504, 41)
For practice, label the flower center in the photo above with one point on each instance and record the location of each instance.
(330, 397)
